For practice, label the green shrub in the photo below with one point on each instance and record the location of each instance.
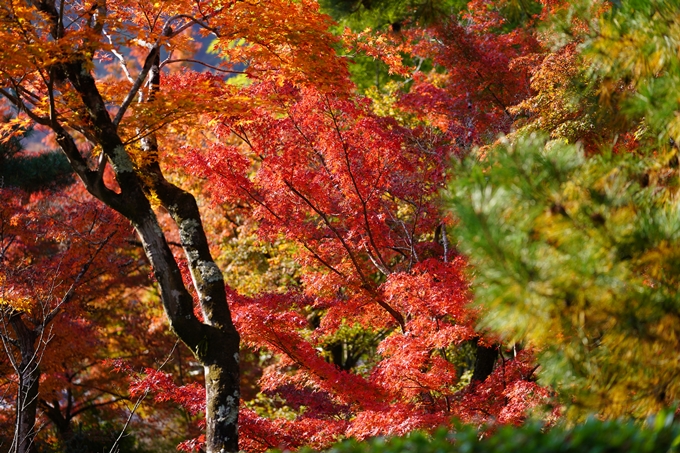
(659, 435)
(37, 172)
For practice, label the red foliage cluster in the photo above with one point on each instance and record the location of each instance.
(486, 71)
(358, 194)
(506, 395)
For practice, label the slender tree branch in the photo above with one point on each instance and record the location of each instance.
(380, 265)
(191, 60)
(138, 403)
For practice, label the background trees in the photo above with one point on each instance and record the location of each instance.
(60, 252)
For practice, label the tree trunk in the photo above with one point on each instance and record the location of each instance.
(62, 422)
(27, 393)
(222, 392)
(215, 342)
(484, 362)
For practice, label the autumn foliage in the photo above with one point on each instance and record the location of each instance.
(336, 260)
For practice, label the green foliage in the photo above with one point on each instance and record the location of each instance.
(381, 14)
(516, 13)
(367, 72)
(631, 53)
(385, 16)
(98, 438)
(593, 436)
(580, 257)
(33, 173)
(352, 347)
(636, 46)
(254, 267)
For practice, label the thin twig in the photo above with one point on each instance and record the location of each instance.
(114, 447)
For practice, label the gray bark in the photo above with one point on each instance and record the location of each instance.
(27, 392)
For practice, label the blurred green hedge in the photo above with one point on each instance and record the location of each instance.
(659, 435)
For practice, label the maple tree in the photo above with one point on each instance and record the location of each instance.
(355, 192)
(481, 69)
(370, 344)
(59, 251)
(601, 74)
(51, 234)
